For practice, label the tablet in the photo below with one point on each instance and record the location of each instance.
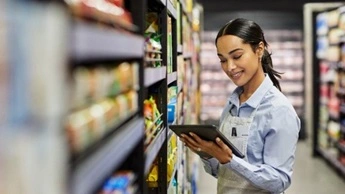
(206, 132)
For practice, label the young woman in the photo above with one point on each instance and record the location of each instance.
(259, 119)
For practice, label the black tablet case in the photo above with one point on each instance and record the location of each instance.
(206, 132)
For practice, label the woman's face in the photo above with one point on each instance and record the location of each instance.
(238, 60)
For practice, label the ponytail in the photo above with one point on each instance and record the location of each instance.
(268, 68)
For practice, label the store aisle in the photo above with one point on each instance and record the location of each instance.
(311, 176)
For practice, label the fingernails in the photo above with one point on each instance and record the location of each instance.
(191, 134)
(218, 140)
(182, 135)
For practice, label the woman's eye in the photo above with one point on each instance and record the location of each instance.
(237, 57)
(222, 61)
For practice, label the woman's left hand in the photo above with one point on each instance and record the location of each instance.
(217, 149)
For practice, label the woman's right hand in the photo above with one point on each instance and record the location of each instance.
(217, 149)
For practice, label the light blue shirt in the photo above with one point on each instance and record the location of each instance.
(271, 145)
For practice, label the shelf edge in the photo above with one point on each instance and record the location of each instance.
(179, 49)
(171, 9)
(154, 75)
(95, 170)
(173, 174)
(152, 151)
(172, 77)
(93, 43)
(336, 164)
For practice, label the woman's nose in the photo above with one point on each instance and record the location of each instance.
(230, 65)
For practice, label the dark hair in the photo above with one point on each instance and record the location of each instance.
(252, 34)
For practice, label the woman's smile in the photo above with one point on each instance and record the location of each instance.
(236, 75)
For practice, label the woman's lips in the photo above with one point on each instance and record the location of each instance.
(236, 75)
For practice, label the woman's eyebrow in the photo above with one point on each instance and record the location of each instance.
(237, 49)
(234, 50)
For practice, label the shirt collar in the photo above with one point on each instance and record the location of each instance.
(256, 97)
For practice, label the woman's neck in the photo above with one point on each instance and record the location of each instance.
(251, 86)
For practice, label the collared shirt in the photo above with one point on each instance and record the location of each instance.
(272, 141)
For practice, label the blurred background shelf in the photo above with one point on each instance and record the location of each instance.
(88, 176)
(153, 75)
(153, 149)
(171, 9)
(93, 43)
(333, 161)
(172, 77)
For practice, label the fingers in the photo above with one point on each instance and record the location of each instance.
(196, 138)
(190, 141)
(221, 144)
(224, 147)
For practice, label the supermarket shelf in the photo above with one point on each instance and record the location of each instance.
(223, 93)
(90, 175)
(184, 9)
(184, 6)
(153, 128)
(293, 93)
(171, 9)
(152, 151)
(341, 147)
(153, 60)
(341, 92)
(157, 2)
(101, 16)
(170, 133)
(189, 17)
(187, 55)
(162, 1)
(342, 128)
(153, 51)
(179, 88)
(179, 49)
(181, 120)
(93, 43)
(153, 75)
(334, 140)
(172, 77)
(215, 79)
(290, 80)
(332, 160)
(173, 174)
(333, 118)
(342, 108)
(92, 148)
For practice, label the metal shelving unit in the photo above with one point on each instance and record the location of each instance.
(329, 133)
(154, 75)
(172, 77)
(154, 148)
(97, 45)
(171, 9)
(89, 175)
(93, 43)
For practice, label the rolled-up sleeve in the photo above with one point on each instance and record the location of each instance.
(280, 141)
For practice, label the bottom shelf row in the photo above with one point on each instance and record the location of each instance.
(179, 160)
(332, 158)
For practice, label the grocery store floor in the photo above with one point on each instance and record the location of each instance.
(311, 176)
